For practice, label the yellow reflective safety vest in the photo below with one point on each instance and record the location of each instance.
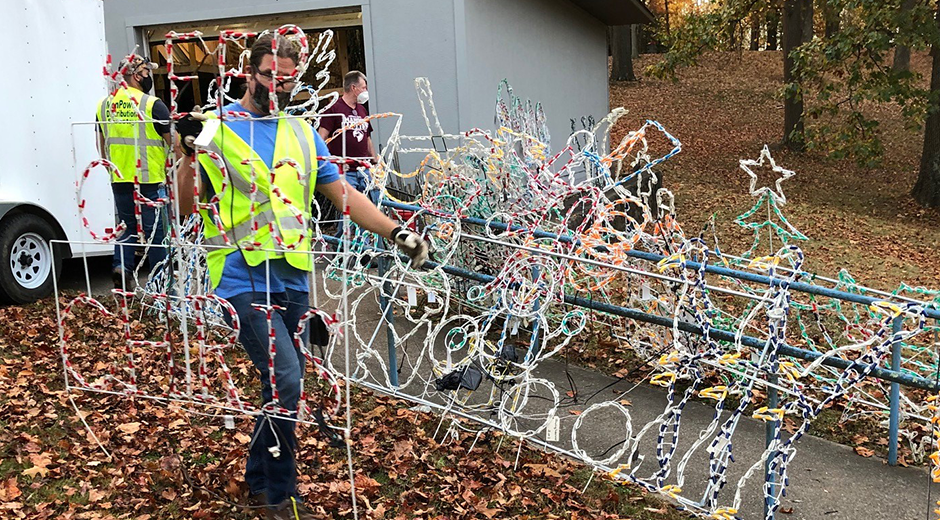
(282, 207)
(128, 141)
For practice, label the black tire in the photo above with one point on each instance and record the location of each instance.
(27, 262)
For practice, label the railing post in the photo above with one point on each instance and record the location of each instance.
(895, 402)
(770, 433)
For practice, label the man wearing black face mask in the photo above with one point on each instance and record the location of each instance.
(138, 151)
(259, 251)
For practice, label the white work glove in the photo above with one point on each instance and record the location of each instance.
(411, 244)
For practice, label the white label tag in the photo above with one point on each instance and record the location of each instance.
(553, 428)
(229, 422)
(432, 297)
(719, 445)
(209, 129)
(412, 296)
(645, 292)
(515, 327)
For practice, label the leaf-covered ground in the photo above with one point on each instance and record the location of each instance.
(169, 464)
(726, 109)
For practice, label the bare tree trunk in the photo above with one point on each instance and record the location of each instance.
(833, 19)
(666, 7)
(902, 53)
(927, 189)
(634, 43)
(808, 27)
(621, 48)
(755, 32)
(793, 100)
(773, 24)
(640, 33)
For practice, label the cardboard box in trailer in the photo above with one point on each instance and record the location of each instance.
(52, 85)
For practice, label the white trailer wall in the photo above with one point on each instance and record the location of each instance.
(409, 40)
(55, 81)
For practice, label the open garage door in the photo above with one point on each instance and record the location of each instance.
(190, 58)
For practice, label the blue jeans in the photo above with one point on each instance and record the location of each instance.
(359, 181)
(150, 217)
(277, 476)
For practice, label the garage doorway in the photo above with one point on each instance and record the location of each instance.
(191, 58)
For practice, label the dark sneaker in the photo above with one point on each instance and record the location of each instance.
(122, 279)
(257, 500)
(290, 509)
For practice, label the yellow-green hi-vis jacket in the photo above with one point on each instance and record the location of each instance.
(133, 146)
(295, 177)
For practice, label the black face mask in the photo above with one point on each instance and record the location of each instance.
(146, 83)
(263, 102)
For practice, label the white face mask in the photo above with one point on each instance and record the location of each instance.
(363, 97)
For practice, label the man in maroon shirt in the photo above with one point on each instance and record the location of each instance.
(358, 134)
(357, 137)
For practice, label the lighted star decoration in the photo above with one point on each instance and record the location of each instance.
(769, 201)
(785, 174)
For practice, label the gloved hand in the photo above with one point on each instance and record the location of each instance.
(188, 128)
(411, 244)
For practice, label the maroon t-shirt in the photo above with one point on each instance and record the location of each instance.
(357, 144)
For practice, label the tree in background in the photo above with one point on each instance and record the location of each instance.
(853, 67)
(621, 51)
(902, 53)
(755, 32)
(832, 17)
(837, 74)
(927, 189)
(707, 29)
(793, 128)
(773, 23)
(806, 16)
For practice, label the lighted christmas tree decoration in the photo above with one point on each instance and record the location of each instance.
(772, 198)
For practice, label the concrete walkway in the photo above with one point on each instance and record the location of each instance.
(827, 480)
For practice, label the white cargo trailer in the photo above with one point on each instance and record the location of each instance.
(54, 52)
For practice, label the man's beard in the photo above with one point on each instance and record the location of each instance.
(262, 100)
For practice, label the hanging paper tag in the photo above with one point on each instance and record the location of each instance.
(432, 297)
(552, 428)
(229, 422)
(645, 292)
(719, 445)
(209, 129)
(515, 327)
(412, 296)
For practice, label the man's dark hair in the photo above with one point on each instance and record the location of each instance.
(262, 48)
(352, 78)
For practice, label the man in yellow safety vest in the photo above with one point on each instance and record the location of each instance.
(257, 233)
(134, 135)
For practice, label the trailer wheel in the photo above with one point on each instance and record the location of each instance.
(26, 259)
